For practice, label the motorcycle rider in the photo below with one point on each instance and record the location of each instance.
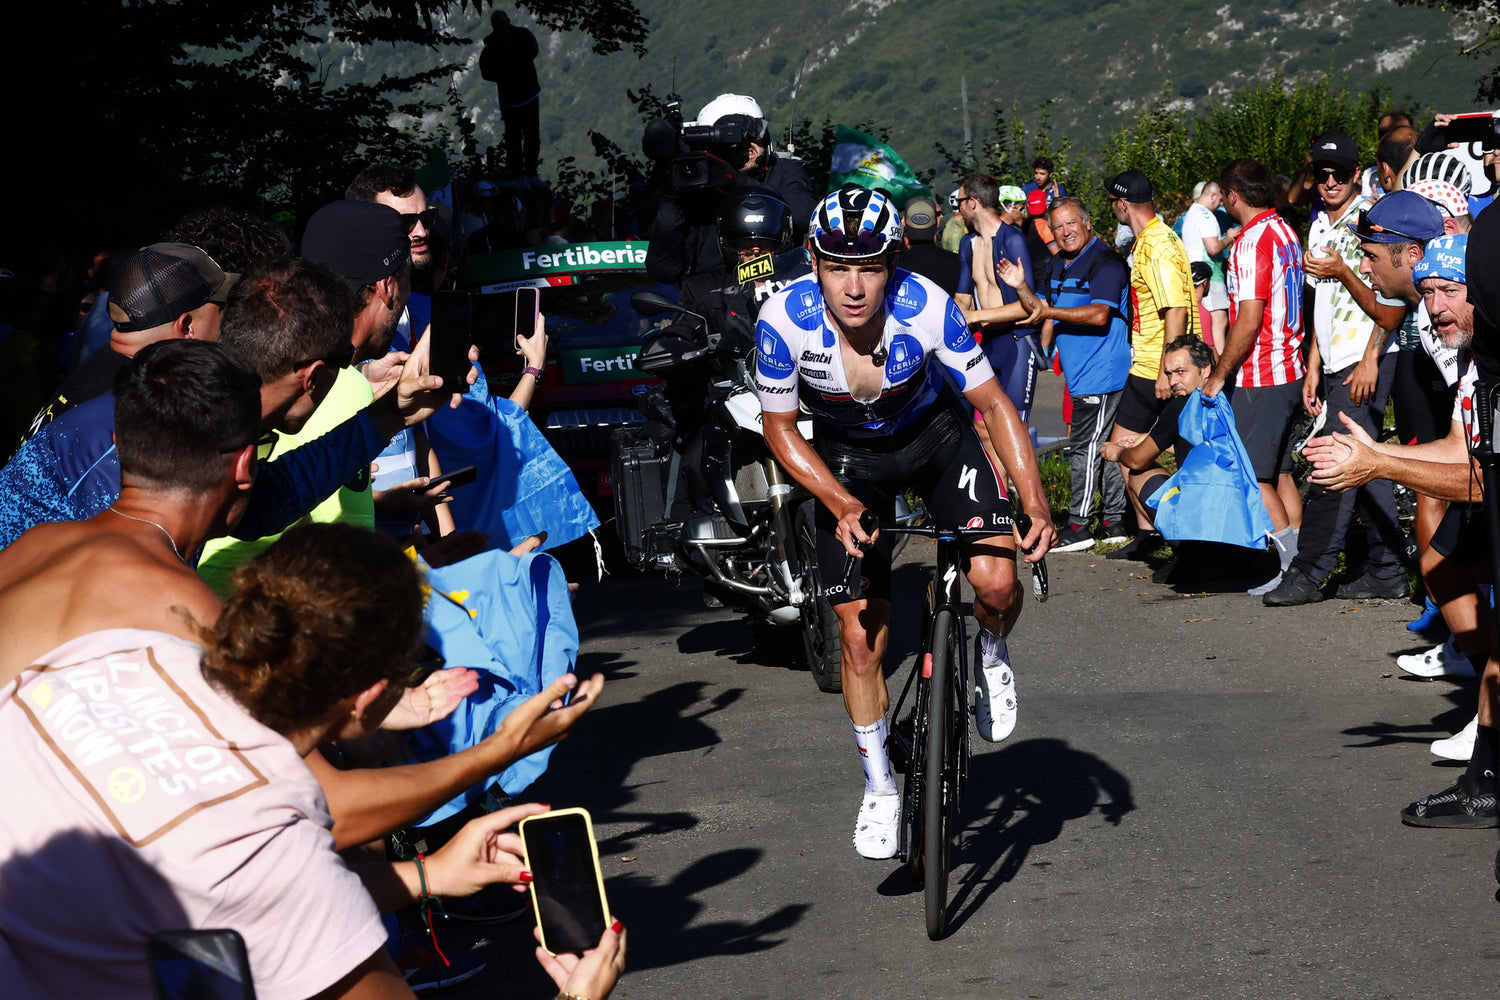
(684, 236)
(855, 343)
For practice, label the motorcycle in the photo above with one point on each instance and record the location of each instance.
(744, 527)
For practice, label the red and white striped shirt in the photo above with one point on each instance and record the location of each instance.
(1266, 264)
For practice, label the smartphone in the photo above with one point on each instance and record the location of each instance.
(528, 305)
(1478, 126)
(452, 334)
(199, 965)
(567, 888)
(458, 477)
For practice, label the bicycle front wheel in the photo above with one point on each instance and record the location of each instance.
(941, 789)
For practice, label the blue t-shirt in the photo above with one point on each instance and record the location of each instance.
(1031, 186)
(1095, 359)
(1008, 243)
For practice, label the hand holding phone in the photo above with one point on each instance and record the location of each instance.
(451, 334)
(567, 888)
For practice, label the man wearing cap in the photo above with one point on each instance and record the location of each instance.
(163, 291)
(1444, 469)
(955, 229)
(919, 229)
(1353, 355)
(1085, 313)
(1162, 310)
(991, 211)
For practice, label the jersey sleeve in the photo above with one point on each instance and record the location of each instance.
(776, 358)
(1165, 273)
(959, 352)
(1108, 283)
(965, 265)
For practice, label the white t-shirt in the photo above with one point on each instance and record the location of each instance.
(1198, 222)
(140, 799)
(1343, 329)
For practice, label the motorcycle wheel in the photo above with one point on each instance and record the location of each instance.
(820, 625)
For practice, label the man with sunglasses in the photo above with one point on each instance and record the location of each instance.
(868, 348)
(1353, 355)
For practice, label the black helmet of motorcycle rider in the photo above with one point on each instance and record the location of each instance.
(753, 222)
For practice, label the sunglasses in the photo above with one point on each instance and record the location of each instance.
(429, 661)
(427, 219)
(1364, 227)
(1340, 175)
(865, 243)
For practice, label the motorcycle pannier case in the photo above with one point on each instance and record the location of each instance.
(640, 465)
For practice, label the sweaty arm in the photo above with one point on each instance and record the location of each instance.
(1012, 443)
(793, 453)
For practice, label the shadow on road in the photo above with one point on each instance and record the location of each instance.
(1018, 798)
(1460, 698)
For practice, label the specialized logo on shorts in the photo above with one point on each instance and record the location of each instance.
(968, 479)
(975, 522)
(909, 300)
(806, 308)
(772, 359)
(956, 335)
(906, 357)
(147, 755)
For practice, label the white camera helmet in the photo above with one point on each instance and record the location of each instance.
(741, 107)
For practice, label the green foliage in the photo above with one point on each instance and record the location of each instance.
(1011, 145)
(1479, 18)
(1273, 122)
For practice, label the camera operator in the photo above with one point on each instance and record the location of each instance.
(696, 169)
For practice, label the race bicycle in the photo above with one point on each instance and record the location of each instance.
(933, 747)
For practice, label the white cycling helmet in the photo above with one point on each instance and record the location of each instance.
(1440, 166)
(740, 107)
(855, 223)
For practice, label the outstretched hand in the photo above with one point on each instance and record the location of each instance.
(433, 700)
(543, 719)
(481, 853)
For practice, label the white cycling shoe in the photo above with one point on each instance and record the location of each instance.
(1442, 660)
(1459, 746)
(877, 829)
(995, 694)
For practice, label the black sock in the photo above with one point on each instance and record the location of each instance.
(1483, 762)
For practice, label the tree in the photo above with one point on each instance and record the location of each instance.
(1481, 20)
(134, 111)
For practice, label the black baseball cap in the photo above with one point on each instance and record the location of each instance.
(1335, 148)
(158, 283)
(1129, 185)
(363, 241)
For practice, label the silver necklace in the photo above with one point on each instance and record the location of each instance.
(170, 540)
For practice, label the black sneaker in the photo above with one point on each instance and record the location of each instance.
(1454, 808)
(1366, 588)
(1145, 544)
(1074, 538)
(1296, 588)
(1111, 532)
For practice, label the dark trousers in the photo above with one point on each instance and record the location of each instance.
(1093, 419)
(1326, 516)
(522, 136)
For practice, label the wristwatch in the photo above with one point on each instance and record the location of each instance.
(535, 373)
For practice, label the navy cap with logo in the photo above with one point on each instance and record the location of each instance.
(363, 241)
(1400, 217)
(158, 283)
(1129, 185)
(1335, 148)
(920, 218)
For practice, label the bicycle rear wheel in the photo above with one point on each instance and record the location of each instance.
(939, 800)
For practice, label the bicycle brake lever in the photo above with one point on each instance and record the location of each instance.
(1039, 586)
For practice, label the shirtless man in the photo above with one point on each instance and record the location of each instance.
(187, 418)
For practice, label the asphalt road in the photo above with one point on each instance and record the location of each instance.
(1200, 801)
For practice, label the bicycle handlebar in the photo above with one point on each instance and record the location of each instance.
(869, 523)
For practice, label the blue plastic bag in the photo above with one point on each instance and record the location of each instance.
(1213, 496)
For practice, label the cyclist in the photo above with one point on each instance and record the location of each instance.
(865, 345)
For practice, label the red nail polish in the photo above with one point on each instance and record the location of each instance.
(545, 805)
(617, 927)
(526, 876)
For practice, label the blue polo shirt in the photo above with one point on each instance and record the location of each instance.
(1095, 359)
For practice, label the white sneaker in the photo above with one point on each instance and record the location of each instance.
(1444, 660)
(995, 694)
(1459, 746)
(878, 826)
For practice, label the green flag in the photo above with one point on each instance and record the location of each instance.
(865, 160)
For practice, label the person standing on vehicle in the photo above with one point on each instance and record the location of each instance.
(508, 60)
(864, 346)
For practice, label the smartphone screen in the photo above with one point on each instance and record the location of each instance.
(528, 304)
(567, 889)
(197, 965)
(452, 334)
